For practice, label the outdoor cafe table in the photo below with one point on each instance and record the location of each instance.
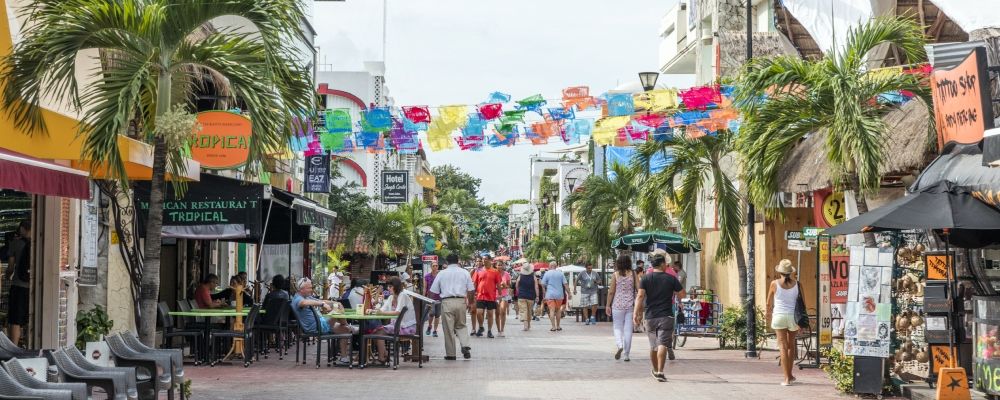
(351, 314)
(224, 312)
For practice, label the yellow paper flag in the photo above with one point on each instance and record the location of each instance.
(606, 129)
(453, 116)
(655, 100)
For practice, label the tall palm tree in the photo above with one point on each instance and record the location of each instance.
(382, 232)
(154, 54)
(699, 164)
(614, 206)
(414, 217)
(541, 246)
(786, 98)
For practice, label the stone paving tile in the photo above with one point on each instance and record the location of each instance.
(576, 363)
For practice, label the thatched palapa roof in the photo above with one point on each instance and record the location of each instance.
(807, 168)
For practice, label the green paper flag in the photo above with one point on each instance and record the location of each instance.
(332, 141)
(338, 120)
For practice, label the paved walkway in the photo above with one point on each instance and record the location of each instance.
(576, 363)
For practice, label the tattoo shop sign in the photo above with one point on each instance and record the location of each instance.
(962, 109)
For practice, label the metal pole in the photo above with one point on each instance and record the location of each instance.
(751, 298)
(291, 217)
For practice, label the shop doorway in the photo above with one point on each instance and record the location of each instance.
(15, 209)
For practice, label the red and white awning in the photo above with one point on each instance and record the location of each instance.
(35, 176)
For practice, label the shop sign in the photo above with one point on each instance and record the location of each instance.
(89, 234)
(794, 235)
(987, 375)
(395, 187)
(798, 245)
(825, 322)
(429, 258)
(839, 276)
(937, 266)
(223, 141)
(962, 110)
(317, 174)
(811, 232)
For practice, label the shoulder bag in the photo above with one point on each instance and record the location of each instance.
(801, 315)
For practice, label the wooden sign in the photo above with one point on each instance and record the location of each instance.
(962, 109)
(224, 140)
(938, 266)
(941, 357)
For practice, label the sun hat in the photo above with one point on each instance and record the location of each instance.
(661, 254)
(785, 267)
(526, 269)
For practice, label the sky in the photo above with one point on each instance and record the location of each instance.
(443, 52)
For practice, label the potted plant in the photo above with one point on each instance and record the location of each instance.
(91, 326)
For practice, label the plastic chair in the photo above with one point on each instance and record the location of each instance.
(246, 334)
(11, 387)
(197, 336)
(156, 365)
(274, 320)
(12, 349)
(116, 385)
(176, 355)
(141, 382)
(390, 338)
(16, 371)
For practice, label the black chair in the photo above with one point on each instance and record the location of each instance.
(176, 355)
(417, 340)
(392, 338)
(330, 339)
(157, 366)
(246, 334)
(115, 385)
(11, 387)
(9, 348)
(17, 371)
(274, 321)
(196, 335)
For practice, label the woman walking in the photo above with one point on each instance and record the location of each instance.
(527, 294)
(621, 300)
(503, 300)
(782, 296)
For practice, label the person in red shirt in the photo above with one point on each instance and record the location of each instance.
(203, 295)
(487, 284)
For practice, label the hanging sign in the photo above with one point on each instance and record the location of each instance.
(395, 187)
(962, 110)
(317, 174)
(839, 270)
(224, 140)
(798, 245)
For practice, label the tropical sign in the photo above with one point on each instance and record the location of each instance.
(224, 140)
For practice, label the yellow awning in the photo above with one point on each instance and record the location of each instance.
(62, 143)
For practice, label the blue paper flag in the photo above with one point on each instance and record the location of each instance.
(620, 104)
(369, 140)
(376, 119)
(558, 114)
(498, 97)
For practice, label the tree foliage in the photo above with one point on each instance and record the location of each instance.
(451, 177)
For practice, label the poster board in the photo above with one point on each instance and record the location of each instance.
(868, 314)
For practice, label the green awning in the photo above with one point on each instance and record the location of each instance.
(645, 241)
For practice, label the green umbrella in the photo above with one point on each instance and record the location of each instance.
(643, 241)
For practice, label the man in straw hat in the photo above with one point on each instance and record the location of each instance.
(655, 302)
(527, 292)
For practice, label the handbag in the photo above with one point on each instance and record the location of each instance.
(801, 315)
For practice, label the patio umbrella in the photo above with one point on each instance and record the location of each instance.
(942, 205)
(573, 269)
(642, 241)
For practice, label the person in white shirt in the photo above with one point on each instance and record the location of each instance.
(454, 285)
(394, 306)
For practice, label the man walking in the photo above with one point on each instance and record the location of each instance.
(587, 283)
(655, 301)
(454, 286)
(487, 284)
(554, 285)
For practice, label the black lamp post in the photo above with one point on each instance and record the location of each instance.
(751, 306)
(648, 80)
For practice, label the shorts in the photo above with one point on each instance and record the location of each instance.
(17, 306)
(524, 308)
(486, 304)
(588, 299)
(660, 331)
(554, 303)
(505, 298)
(784, 321)
(436, 310)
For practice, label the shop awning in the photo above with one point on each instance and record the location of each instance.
(307, 212)
(28, 174)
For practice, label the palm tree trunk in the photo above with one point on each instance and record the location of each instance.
(741, 269)
(149, 283)
(862, 203)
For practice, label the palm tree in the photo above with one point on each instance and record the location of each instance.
(414, 217)
(382, 232)
(608, 207)
(786, 98)
(155, 53)
(700, 164)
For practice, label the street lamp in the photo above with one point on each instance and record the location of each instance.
(648, 80)
(572, 183)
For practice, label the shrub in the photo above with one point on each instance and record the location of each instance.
(840, 369)
(91, 326)
(733, 328)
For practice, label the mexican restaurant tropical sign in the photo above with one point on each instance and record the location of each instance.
(962, 109)
(224, 140)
